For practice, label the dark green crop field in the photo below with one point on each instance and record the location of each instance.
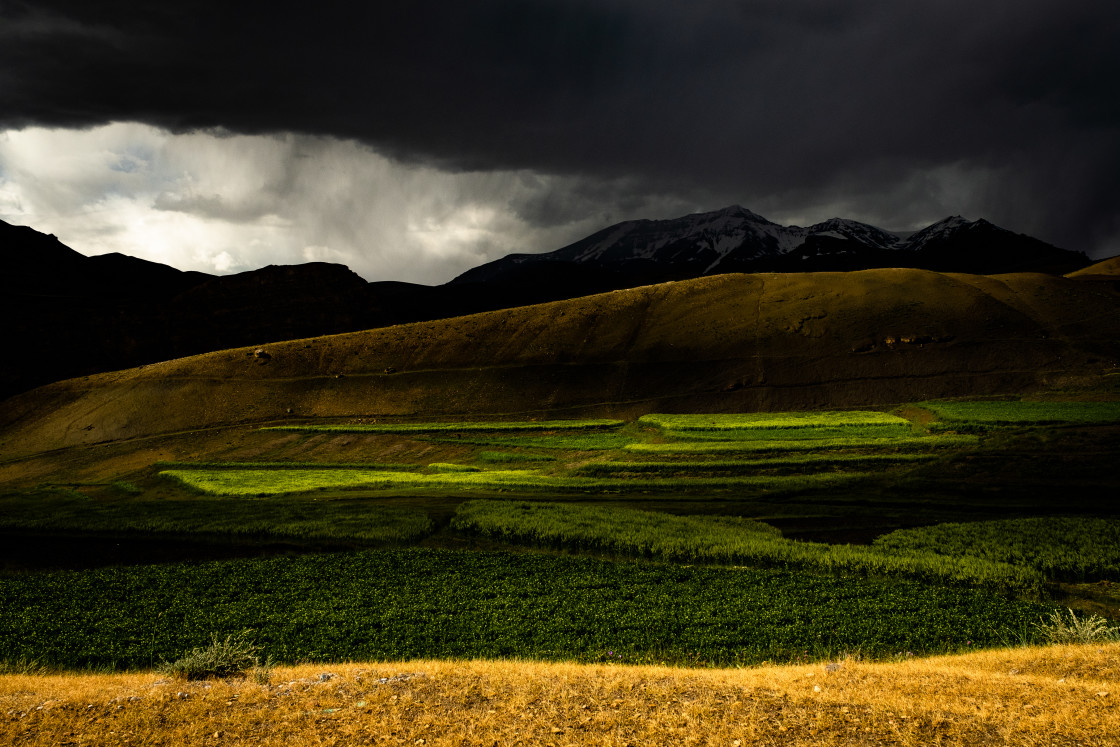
(1066, 548)
(379, 605)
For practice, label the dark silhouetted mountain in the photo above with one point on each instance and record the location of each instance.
(36, 263)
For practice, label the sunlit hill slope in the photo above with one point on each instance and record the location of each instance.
(729, 342)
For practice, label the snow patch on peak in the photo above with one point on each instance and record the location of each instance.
(953, 221)
(937, 230)
(738, 211)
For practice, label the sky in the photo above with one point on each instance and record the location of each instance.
(415, 140)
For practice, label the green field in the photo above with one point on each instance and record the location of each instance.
(278, 519)
(263, 482)
(380, 466)
(994, 414)
(751, 466)
(829, 444)
(733, 541)
(776, 421)
(688, 506)
(1066, 548)
(393, 605)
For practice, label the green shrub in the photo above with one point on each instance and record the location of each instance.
(1091, 629)
(233, 657)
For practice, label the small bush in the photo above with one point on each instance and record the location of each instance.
(232, 657)
(1092, 629)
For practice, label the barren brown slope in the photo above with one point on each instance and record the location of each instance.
(731, 342)
(1110, 266)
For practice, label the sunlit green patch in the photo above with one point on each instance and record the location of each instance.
(1023, 413)
(782, 445)
(386, 466)
(775, 420)
(249, 482)
(272, 482)
(793, 434)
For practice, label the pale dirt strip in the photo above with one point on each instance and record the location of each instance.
(1065, 695)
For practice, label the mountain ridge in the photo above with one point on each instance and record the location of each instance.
(736, 239)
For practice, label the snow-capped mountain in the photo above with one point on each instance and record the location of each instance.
(735, 239)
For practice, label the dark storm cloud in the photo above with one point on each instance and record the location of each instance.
(1004, 110)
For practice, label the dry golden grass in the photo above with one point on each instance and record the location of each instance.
(1062, 695)
(1110, 266)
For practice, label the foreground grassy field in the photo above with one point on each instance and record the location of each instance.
(1061, 695)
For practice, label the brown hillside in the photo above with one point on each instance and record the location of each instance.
(1109, 266)
(730, 342)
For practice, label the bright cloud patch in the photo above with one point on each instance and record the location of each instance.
(220, 203)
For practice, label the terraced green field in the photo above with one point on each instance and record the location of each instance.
(825, 445)
(776, 420)
(708, 519)
(264, 482)
(825, 466)
(984, 415)
(799, 462)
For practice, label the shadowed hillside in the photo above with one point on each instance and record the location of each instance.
(724, 343)
(70, 315)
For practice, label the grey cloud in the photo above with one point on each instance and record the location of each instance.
(759, 102)
(211, 206)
